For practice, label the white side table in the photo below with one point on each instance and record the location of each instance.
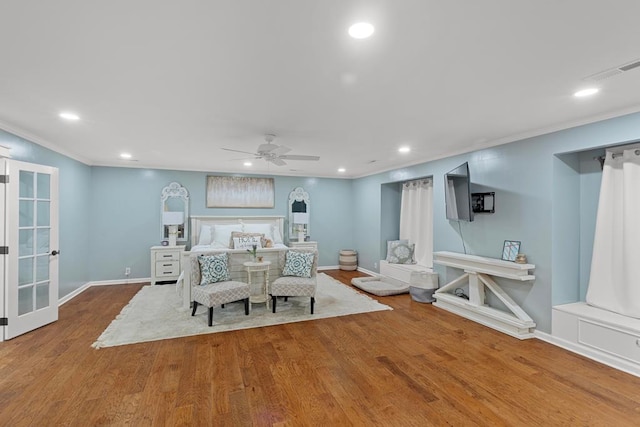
(256, 267)
(165, 263)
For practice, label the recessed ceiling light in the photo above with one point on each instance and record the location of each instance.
(248, 163)
(342, 170)
(404, 149)
(586, 92)
(361, 30)
(125, 155)
(69, 116)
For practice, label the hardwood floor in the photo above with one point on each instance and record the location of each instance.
(416, 365)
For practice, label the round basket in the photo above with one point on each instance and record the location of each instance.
(348, 260)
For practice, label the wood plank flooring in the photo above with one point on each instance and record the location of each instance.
(414, 366)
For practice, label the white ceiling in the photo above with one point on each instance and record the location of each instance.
(174, 82)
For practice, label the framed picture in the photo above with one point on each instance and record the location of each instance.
(239, 192)
(510, 250)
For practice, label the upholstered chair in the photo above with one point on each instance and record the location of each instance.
(211, 285)
(292, 282)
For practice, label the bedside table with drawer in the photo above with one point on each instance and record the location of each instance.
(165, 263)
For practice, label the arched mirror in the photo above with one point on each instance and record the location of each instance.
(299, 214)
(174, 208)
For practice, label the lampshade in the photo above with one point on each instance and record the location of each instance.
(300, 218)
(172, 218)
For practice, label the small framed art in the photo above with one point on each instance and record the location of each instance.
(510, 250)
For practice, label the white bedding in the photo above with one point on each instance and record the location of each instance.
(217, 247)
(216, 230)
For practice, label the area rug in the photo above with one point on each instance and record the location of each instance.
(156, 313)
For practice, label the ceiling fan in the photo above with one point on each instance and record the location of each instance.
(274, 153)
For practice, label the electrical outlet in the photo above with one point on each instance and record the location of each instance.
(375, 265)
(127, 271)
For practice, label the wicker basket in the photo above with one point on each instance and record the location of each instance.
(348, 260)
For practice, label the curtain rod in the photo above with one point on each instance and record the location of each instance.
(418, 181)
(614, 155)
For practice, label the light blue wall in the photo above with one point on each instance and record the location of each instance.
(111, 216)
(125, 212)
(75, 222)
(528, 178)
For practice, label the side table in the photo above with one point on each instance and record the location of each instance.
(165, 263)
(256, 267)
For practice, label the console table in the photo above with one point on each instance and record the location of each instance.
(478, 271)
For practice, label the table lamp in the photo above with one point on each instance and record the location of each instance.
(301, 219)
(173, 220)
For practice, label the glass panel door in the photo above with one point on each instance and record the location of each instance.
(32, 229)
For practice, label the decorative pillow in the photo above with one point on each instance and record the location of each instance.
(247, 242)
(298, 264)
(239, 234)
(204, 238)
(213, 268)
(268, 243)
(392, 243)
(222, 233)
(400, 252)
(258, 228)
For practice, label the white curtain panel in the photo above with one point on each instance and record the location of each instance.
(416, 218)
(614, 283)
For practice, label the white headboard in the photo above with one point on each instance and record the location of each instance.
(198, 221)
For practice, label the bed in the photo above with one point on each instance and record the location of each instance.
(211, 234)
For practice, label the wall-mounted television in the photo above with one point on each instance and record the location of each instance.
(457, 194)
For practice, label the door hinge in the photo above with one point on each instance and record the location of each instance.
(4, 321)
(4, 250)
(4, 179)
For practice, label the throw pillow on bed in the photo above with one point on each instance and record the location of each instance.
(400, 252)
(213, 268)
(298, 264)
(221, 233)
(247, 242)
(254, 237)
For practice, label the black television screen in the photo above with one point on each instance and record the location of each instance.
(457, 194)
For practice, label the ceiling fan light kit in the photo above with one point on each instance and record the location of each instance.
(274, 153)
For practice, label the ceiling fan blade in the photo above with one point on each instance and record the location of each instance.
(299, 157)
(281, 150)
(238, 151)
(246, 158)
(266, 148)
(276, 161)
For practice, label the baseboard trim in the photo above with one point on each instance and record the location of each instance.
(120, 282)
(589, 353)
(329, 267)
(369, 272)
(71, 295)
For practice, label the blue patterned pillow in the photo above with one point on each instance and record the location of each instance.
(213, 268)
(400, 252)
(298, 264)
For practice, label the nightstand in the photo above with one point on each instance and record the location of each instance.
(165, 263)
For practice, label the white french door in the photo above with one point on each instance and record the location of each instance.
(31, 265)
